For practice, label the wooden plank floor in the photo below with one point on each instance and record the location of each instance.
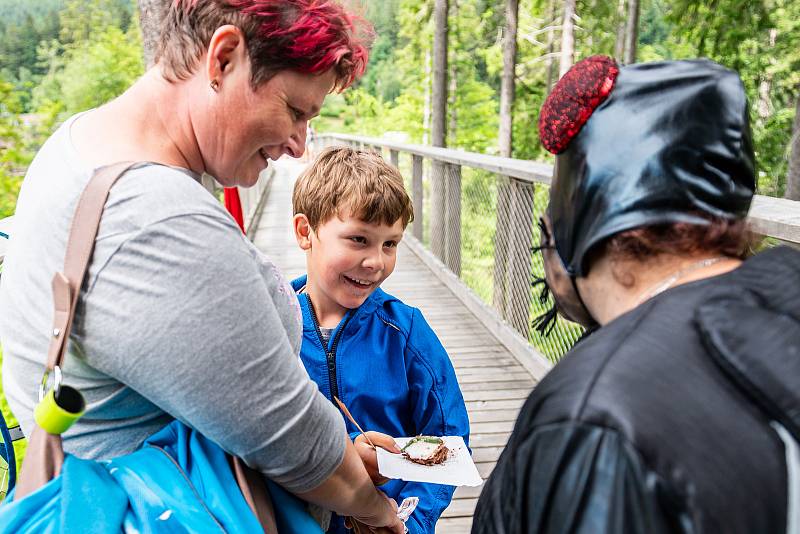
(492, 381)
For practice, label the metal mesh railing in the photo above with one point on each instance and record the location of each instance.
(499, 233)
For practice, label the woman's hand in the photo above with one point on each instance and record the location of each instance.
(370, 457)
(362, 525)
(361, 528)
(350, 492)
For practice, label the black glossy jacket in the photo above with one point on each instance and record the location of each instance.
(660, 421)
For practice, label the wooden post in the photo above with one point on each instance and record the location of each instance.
(394, 158)
(437, 213)
(452, 217)
(416, 198)
(518, 272)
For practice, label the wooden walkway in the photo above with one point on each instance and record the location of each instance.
(493, 382)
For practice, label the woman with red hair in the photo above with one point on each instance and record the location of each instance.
(161, 333)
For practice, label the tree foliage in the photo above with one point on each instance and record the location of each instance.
(13, 156)
(57, 58)
(759, 39)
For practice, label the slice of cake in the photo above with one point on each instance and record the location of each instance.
(426, 450)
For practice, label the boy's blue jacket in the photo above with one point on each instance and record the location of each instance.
(395, 377)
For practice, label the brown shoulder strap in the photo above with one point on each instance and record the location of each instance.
(80, 244)
(45, 455)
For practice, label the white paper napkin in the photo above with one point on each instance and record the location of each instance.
(457, 470)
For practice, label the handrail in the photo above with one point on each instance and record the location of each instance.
(253, 199)
(769, 216)
(530, 171)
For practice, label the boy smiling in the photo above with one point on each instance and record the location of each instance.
(360, 344)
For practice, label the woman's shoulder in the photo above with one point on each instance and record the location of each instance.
(153, 192)
(146, 193)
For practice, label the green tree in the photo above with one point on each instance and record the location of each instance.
(94, 65)
(23, 26)
(100, 69)
(761, 41)
(82, 20)
(13, 154)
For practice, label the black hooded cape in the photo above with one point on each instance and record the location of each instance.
(664, 420)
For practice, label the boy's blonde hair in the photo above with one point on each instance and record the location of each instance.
(344, 181)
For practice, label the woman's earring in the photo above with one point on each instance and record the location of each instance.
(215, 85)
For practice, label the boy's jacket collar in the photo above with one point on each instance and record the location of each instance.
(376, 299)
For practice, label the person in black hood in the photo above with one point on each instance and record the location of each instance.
(681, 411)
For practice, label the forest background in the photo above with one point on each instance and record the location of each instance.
(59, 57)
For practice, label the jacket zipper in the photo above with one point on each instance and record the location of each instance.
(330, 355)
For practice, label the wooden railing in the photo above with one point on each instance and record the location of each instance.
(444, 198)
(252, 198)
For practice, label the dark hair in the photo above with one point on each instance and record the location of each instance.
(725, 237)
(308, 36)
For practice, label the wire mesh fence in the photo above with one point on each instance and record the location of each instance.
(499, 258)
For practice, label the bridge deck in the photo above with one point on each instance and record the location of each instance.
(493, 382)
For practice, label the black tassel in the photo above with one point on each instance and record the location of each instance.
(588, 332)
(545, 292)
(545, 323)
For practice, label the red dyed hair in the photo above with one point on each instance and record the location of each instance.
(308, 36)
(725, 237)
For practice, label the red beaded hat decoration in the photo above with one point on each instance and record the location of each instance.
(573, 100)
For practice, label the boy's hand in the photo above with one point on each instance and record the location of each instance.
(370, 457)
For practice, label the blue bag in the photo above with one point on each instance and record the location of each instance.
(179, 481)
